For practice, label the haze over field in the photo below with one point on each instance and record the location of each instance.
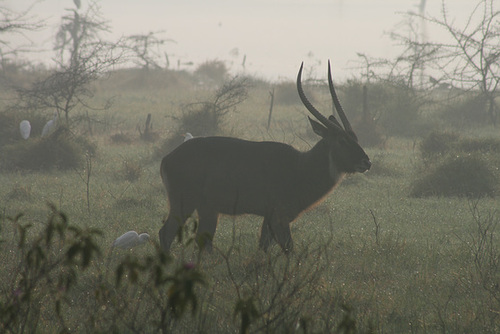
(274, 36)
(103, 205)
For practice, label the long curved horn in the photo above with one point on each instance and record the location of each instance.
(325, 121)
(336, 102)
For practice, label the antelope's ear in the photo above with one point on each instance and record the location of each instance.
(318, 129)
(334, 120)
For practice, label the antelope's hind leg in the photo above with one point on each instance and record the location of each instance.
(266, 235)
(175, 220)
(168, 231)
(206, 228)
(276, 228)
(281, 231)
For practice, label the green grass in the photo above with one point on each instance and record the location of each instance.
(370, 253)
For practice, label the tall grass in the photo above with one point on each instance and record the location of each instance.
(369, 259)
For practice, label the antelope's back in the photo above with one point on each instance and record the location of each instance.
(231, 175)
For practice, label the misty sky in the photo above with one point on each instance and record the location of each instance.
(275, 35)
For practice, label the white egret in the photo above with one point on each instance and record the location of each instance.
(188, 136)
(25, 129)
(50, 125)
(130, 240)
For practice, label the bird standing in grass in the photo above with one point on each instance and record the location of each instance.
(50, 125)
(25, 129)
(188, 136)
(130, 240)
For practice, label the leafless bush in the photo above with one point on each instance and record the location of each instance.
(470, 62)
(207, 118)
(212, 72)
(484, 248)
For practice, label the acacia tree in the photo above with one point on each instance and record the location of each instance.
(82, 59)
(146, 49)
(66, 88)
(471, 61)
(416, 53)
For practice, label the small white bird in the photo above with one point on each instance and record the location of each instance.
(130, 240)
(188, 136)
(49, 125)
(25, 129)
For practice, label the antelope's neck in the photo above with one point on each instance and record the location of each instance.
(320, 168)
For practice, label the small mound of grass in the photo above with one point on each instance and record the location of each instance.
(9, 126)
(438, 144)
(480, 145)
(382, 166)
(132, 171)
(461, 176)
(121, 138)
(20, 193)
(466, 112)
(60, 150)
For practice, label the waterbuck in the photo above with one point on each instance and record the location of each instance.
(221, 175)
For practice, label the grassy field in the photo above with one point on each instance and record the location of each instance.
(369, 259)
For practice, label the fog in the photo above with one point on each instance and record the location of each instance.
(273, 36)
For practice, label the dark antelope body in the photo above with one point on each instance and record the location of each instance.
(220, 175)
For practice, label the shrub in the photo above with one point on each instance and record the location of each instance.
(138, 79)
(463, 176)
(396, 109)
(437, 144)
(9, 130)
(206, 118)
(9, 126)
(457, 166)
(45, 270)
(383, 167)
(400, 113)
(212, 72)
(479, 145)
(201, 119)
(60, 150)
(471, 110)
(57, 278)
(368, 132)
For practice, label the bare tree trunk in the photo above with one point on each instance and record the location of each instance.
(366, 112)
(89, 123)
(149, 126)
(270, 109)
